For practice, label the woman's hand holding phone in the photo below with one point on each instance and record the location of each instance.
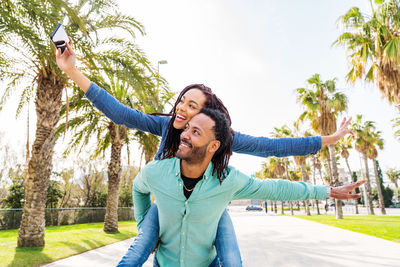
(66, 60)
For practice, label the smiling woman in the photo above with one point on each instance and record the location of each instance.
(189, 102)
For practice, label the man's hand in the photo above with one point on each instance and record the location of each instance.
(344, 192)
(341, 132)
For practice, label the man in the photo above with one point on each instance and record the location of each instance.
(193, 189)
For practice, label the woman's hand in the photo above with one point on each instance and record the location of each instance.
(341, 132)
(67, 60)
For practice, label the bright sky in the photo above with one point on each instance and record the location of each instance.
(253, 54)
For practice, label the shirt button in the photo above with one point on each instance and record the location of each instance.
(183, 246)
(183, 233)
(181, 260)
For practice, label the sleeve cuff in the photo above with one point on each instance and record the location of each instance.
(328, 191)
(93, 92)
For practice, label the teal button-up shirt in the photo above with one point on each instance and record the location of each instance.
(188, 227)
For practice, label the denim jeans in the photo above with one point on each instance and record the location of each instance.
(144, 242)
(228, 253)
(215, 263)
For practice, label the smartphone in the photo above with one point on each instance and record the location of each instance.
(59, 37)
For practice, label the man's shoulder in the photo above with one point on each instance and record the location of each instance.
(234, 175)
(157, 166)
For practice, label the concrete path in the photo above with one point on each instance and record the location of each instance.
(267, 240)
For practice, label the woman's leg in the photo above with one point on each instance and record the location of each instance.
(144, 242)
(226, 244)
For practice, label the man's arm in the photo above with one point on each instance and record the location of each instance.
(278, 189)
(141, 196)
(284, 190)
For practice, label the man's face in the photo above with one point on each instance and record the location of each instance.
(197, 139)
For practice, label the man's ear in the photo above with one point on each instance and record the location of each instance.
(213, 146)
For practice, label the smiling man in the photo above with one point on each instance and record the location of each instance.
(193, 189)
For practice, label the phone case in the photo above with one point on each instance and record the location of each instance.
(58, 44)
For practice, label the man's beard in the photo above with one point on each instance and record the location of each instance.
(195, 155)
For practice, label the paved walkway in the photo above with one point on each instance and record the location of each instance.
(276, 241)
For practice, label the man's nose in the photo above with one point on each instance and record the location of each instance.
(185, 134)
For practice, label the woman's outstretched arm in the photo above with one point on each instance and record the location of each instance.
(284, 147)
(111, 107)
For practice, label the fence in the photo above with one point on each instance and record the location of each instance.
(11, 218)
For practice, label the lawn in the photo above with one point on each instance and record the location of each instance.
(386, 227)
(61, 242)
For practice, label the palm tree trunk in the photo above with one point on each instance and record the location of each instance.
(351, 179)
(117, 136)
(335, 181)
(287, 178)
(378, 186)
(303, 176)
(368, 186)
(291, 207)
(282, 208)
(315, 182)
(48, 105)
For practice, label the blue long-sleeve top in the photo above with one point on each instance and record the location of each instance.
(158, 125)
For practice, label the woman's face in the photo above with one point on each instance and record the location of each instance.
(191, 103)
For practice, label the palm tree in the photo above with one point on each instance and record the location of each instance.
(393, 175)
(32, 69)
(149, 145)
(273, 168)
(364, 138)
(282, 132)
(322, 105)
(344, 147)
(373, 43)
(301, 162)
(377, 141)
(108, 134)
(396, 124)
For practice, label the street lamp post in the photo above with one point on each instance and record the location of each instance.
(158, 70)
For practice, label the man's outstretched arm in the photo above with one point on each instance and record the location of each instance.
(284, 190)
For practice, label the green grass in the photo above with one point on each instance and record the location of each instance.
(61, 242)
(386, 227)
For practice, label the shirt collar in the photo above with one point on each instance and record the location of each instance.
(207, 173)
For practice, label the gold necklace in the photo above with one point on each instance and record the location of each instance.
(189, 190)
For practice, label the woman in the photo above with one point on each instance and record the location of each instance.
(188, 104)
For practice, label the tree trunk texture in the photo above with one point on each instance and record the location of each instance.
(287, 178)
(351, 180)
(368, 187)
(303, 177)
(291, 207)
(315, 182)
(335, 181)
(282, 208)
(48, 105)
(378, 186)
(117, 136)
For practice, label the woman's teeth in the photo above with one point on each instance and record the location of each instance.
(180, 117)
